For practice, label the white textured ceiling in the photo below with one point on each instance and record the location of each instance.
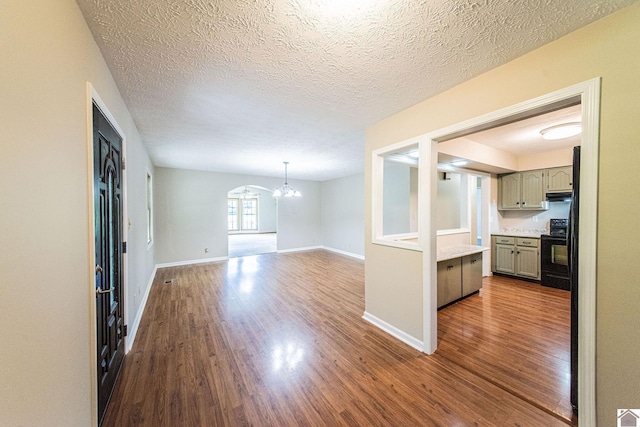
(239, 86)
(523, 137)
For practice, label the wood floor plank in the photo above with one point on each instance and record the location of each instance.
(515, 334)
(279, 340)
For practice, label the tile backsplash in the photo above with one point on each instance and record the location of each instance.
(531, 222)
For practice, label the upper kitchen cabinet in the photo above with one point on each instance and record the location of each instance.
(523, 191)
(559, 179)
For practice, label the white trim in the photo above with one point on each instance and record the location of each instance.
(377, 171)
(453, 231)
(345, 253)
(393, 331)
(91, 98)
(191, 261)
(149, 201)
(308, 248)
(589, 93)
(133, 327)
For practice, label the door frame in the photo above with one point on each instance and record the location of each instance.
(588, 93)
(92, 97)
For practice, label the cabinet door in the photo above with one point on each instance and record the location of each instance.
(471, 273)
(533, 193)
(510, 191)
(559, 179)
(449, 281)
(505, 259)
(528, 262)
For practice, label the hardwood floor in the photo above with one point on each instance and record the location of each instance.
(279, 340)
(515, 334)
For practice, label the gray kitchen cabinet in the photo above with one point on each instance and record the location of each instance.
(559, 179)
(528, 258)
(533, 194)
(459, 277)
(504, 254)
(509, 191)
(449, 281)
(522, 191)
(471, 273)
(517, 256)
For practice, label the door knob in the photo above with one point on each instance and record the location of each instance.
(98, 269)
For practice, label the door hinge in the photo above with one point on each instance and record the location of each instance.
(124, 247)
(124, 164)
(125, 330)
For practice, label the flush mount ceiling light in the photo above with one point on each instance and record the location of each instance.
(459, 163)
(561, 131)
(285, 189)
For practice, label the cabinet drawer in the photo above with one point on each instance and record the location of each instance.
(502, 240)
(533, 243)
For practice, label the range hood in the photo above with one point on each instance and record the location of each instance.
(564, 196)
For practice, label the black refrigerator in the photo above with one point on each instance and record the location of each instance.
(572, 250)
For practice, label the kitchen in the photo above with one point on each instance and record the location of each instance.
(526, 211)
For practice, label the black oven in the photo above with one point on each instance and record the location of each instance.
(554, 257)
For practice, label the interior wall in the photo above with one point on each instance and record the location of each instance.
(191, 213)
(396, 197)
(449, 198)
(342, 214)
(602, 49)
(48, 55)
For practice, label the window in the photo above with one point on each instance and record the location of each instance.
(242, 214)
(249, 214)
(149, 210)
(232, 214)
(396, 171)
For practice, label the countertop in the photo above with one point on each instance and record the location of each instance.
(457, 251)
(534, 234)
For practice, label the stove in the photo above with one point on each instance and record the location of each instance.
(558, 227)
(554, 255)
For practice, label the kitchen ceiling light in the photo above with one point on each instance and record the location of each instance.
(459, 163)
(564, 130)
(285, 189)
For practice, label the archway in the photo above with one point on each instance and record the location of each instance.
(251, 221)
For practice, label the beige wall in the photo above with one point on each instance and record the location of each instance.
(47, 56)
(607, 49)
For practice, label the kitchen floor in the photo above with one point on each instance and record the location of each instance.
(516, 335)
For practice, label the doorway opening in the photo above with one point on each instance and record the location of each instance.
(586, 94)
(252, 214)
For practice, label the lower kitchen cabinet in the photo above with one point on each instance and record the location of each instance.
(459, 277)
(517, 256)
(471, 273)
(449, 281)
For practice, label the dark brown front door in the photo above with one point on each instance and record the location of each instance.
(107, 185)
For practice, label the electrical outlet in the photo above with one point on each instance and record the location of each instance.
(534, 218)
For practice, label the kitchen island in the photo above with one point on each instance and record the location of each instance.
(459, 272)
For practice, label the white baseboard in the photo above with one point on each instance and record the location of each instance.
(308, 248)
(393, 331)
(192, 261)
(133, 328)
(345, 253)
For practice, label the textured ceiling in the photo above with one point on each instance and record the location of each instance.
(239, 86)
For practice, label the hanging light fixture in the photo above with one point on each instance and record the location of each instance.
(247, 194)
(285, 189)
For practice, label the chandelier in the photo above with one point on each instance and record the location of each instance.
(247, 194)
(285, 189)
